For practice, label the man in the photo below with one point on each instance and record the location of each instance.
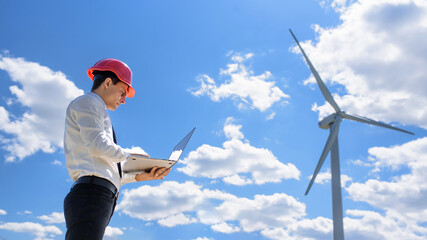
(92, 154)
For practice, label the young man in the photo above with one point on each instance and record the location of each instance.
(92, 154)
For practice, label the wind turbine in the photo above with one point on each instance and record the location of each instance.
(333, 123)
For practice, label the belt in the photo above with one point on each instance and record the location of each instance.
(98, 181)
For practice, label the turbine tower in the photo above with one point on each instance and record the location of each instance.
(333, 123)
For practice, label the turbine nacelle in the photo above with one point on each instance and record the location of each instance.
(327, 122)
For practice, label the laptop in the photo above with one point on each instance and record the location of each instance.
(140, 163)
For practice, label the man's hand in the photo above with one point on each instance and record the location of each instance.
(155, 174)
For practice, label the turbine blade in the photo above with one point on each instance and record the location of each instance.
(372, 122)
(331, 139)
(326, 94)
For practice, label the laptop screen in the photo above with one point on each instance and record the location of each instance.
(179, 148)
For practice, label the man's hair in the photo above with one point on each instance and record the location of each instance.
(100, 76)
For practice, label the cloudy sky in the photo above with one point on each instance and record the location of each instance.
(232, 69)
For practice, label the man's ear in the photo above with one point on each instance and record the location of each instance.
(107, 82)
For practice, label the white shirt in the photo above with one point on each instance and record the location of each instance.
(88, 141)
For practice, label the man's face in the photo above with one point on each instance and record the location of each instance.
(115, 94)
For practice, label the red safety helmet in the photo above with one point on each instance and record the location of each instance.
(118, 67)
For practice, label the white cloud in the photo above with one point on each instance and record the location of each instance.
(318, 228)
(178, 219)
(236, 159)
(277, 233)
(45, 95)
(238, 180)
(26, 212)
(271, 116)
(222, 211)
(55, 217)
(225, 228)
(137, 150)
(56, 162)
(261, 212)
(401, 155)
(112, 232)
(378, 54)
(40, 231)
(338, 5)
(373, 225)
(404, 196)
(243, 86)
(276, 216)
(357, 225)
(172, 198)
(203, 238)
(2, 212)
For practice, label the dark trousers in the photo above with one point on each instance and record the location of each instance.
(88, 209)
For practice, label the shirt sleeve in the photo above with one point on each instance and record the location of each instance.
(128, 178)
(91, 122)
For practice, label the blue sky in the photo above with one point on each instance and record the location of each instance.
(232, 69)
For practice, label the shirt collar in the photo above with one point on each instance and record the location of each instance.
(98, 98)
